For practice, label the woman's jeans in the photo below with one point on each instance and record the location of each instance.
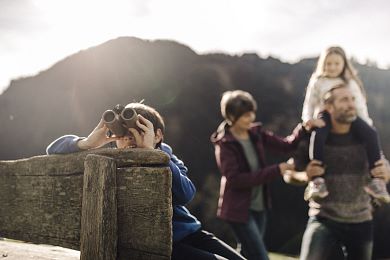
(250, 235)
(324, 239)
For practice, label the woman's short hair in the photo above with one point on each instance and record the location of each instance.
(236, 103)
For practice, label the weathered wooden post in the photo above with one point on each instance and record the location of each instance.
(109, 204)
(98, 213)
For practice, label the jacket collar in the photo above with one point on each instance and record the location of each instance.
(224, 135)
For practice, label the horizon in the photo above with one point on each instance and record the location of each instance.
(36, 34)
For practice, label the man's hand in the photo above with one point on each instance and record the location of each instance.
(381, 170)
(314, 169)
(97, 138)
(145, 139)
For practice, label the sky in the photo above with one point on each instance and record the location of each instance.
(35, 34)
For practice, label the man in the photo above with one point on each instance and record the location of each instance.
(344, 217)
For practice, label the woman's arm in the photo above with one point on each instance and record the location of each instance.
(311, 101)
(283, 144)
(313, 169)
(226, 156)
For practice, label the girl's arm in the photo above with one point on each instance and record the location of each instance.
(360, 102)
(311, 101)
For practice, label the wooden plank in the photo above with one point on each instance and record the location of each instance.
(67, 164)
(41, 199)
(41, 209)
(145, 211)
(99, 209)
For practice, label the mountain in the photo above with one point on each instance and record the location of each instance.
(186, 88)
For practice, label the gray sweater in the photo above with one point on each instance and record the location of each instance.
(346, 174)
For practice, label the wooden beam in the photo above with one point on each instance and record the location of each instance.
(99, 209)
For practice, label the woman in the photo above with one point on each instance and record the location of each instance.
(239, 151)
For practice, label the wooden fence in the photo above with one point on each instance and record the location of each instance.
(107, 203)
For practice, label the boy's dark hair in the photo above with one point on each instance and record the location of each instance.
(151, 114)
(236, 103)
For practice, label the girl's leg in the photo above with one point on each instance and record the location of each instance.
(317, 187)
(369, 136)
(318, 138)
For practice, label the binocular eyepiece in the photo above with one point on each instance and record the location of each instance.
(119, 119)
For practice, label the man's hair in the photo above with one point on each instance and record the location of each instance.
(329, 95)
(236, 103)
(151, 114)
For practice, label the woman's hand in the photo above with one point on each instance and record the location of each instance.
(286, 167)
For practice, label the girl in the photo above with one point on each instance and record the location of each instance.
(334, 68)
(239, 151)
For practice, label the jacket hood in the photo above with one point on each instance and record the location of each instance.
(222, 134)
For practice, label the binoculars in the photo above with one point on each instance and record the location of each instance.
(119, 120)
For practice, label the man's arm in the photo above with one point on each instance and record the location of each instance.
(381, 170)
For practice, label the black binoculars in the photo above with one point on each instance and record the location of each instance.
(120, 119)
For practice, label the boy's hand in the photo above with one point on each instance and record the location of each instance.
(145, 139)
(314, 169)
(97, 138)
(381, 170)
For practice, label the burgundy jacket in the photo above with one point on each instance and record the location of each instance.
(237, 179)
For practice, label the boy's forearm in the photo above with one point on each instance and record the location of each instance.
(83, 144)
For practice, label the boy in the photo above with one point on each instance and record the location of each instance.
(190, 241)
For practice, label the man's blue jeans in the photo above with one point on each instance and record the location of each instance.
(250, 236)
(324, 237)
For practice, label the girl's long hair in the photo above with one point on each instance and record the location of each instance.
(348, 73)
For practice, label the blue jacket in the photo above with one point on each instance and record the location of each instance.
(183, 190)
